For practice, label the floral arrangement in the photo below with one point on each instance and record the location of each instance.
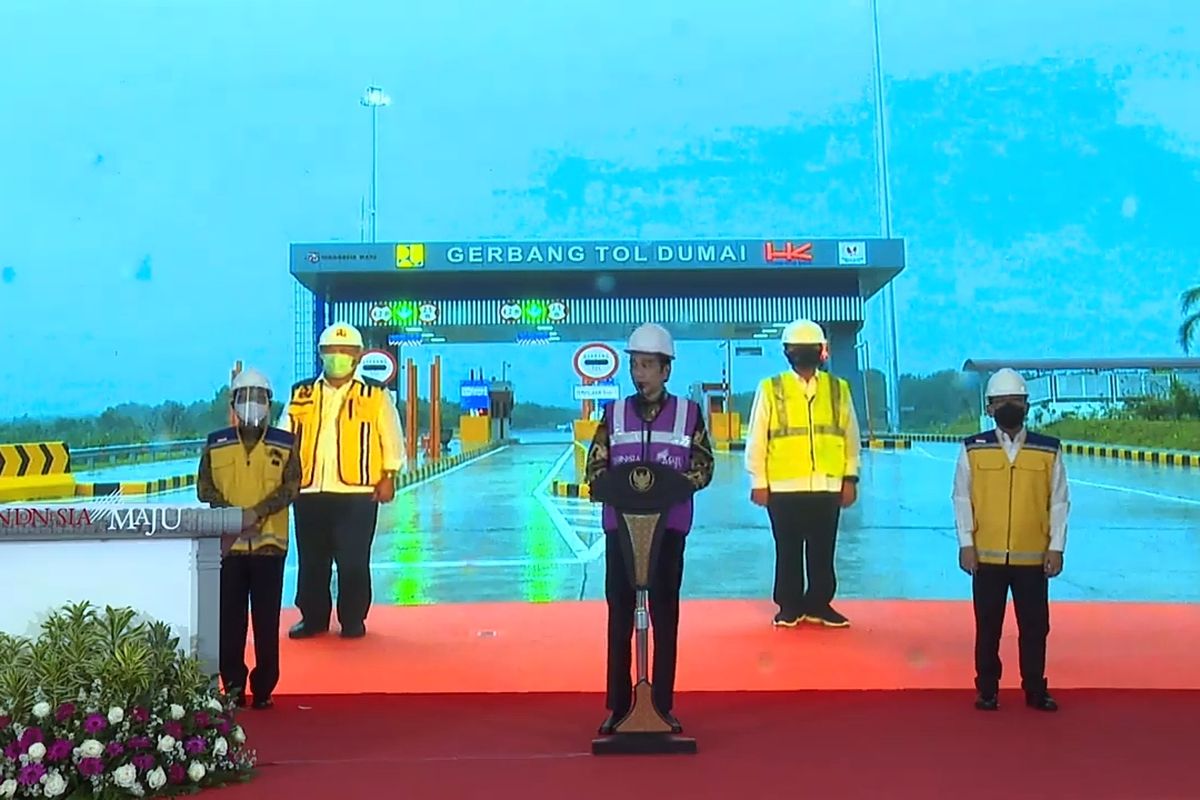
(103, 705)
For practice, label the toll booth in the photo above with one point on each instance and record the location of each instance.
(723, 422)
(500, 408)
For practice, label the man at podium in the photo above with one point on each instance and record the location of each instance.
(650, 425)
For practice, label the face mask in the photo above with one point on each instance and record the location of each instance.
(252, 412)
(337, 365)
(1009, 416)
(804, 358)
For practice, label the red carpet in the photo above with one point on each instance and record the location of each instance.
(1103, 745)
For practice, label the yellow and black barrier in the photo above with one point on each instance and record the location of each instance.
(124, 488)
(1140, 455)
(565, 489)
(432, 468)
(870, 444)
(35, 471)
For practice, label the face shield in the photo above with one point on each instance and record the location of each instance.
(252, 406)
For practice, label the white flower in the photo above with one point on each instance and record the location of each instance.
(41, 710)
(176, 711)
(215, 705)
(125, 775)
(37, 751)
(220, 747)
(238, 735)
(115, 715)
(90, 748)
(196, 772)
(156, 778)
(166, 744)
(8, 788)
(54, 785)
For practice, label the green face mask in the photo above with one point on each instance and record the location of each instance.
(337, 365)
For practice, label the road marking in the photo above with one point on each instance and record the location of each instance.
(1190, 501)
(566, 531)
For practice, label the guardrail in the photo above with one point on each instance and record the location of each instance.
(84, 459)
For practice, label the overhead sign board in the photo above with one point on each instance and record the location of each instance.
(378, 365)
(595, 362)
(597, 391)
(667, 254)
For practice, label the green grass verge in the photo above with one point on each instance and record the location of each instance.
(1148, 434)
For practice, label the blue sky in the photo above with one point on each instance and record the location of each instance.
(158, 159)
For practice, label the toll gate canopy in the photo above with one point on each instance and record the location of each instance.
(534, 292)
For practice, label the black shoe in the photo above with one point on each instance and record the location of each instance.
(262, 703)
(827, 617)
(354, 631)
(238, 696)
(986, 702)
(610, 723)
(302, 630)
(1041, 702)
(676, 726)
(783, 620)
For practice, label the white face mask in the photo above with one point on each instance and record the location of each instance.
(252, 412)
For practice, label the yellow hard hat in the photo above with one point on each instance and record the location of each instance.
(804, 331)
(340, 334)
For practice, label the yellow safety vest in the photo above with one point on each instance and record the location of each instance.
(1011, 500)
(806, 438)
(360, 451)
(246, 477)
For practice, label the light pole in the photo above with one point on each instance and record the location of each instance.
(891, 341)
(374, 98)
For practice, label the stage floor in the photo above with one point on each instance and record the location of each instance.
(730, 645)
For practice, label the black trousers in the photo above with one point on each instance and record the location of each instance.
(332, 527)
(665, 583)
(805, 526)
(1031, 600)
(257, 582)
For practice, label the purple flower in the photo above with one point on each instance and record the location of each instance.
(114, 749)
(176, 773)
(95, 723)
(13, 751)
(30, 774)
(30, 736)
(173, 729)
(140, 743)
(195, 745)
(223, 727)
(90, 767)
(139, 715)
(59, 751)
(201, 719)
(65, 712)
(143, 761)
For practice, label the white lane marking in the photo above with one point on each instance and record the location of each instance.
(566, 531)
(1110, 487)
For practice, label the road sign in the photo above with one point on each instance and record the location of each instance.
(378, 365)
(595, 362)
(597, 391)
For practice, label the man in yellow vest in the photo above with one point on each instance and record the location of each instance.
(253, 466)
(1010, 508)
(802, 453)
(351, 448)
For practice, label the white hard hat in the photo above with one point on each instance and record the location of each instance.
(339, 333)
(803, 331)
(1006, 382)
(651, 338)
(250, 379)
